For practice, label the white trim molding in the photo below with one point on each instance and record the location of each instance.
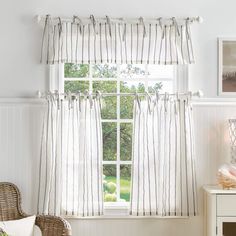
(221, 41)
(214, 101)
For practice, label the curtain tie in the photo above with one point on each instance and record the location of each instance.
(144, 27)
(79, 98)
(138, 100)
(166, 99)
(176, 25)
(124, 32)
(92, 18)
(187, 28)
(149, 101)
(109, 24)
(78, 21)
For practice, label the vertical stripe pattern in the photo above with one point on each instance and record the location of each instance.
(163, 170)
(109, 42)
(71, 158)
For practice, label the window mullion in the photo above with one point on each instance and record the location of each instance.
(123, 79)
(118, 136)
(146, 78)
(61, 77)
(125, 162)
(94, 79)
(109, 162)
(90, 79)
(115, 120)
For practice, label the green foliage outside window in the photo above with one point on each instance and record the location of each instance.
(109, 111)
(2, 232)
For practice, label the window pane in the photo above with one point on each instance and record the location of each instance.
(105, 86)
(160, 71)
(109, 183)
(76, 86)
(132, 87)
(125, 141)
(165, 86)
(104, 71)
(109, 107)
(109, 131)
(76, 70)
(126, 107)
(132, 71)
(154, 87)
(125, 182)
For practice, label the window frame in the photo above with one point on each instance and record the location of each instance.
(56, 83)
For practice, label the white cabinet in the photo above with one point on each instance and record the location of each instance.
(220, 211)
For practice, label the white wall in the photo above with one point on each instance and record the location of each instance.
(21, 75)
(20, 128)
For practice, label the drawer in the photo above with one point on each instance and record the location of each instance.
(226, 205)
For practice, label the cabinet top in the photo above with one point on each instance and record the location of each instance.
(215, 189)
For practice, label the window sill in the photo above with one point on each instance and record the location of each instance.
(120, 211)
(126, 217)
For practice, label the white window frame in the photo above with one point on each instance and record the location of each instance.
(56, 83)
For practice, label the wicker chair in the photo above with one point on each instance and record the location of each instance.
(10, 209)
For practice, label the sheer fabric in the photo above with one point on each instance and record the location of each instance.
(163, 175)
(71, 158)
(94, 41)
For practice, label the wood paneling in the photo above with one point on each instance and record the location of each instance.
(20, 130)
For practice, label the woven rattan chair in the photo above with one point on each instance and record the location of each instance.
(10, 209)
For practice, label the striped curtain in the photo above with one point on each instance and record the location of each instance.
(70, 178)
(163, 176)
(105, 41)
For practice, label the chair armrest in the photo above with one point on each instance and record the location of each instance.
(53, 226)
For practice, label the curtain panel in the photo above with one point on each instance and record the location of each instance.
(163, 174)
(105, 41)
(70, 172)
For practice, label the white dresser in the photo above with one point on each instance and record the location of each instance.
(220, 211)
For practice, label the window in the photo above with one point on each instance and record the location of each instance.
(117, 112)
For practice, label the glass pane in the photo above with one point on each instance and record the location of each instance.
(132, 87)
(105, 86)
(109, 131)
(125, 182)
(128, 71)
(125, 141)
(104, 71)
(154, 87)
(160, 71)
(109, 183)
(163, 86)
(229, 228)
(126, 107)
(76, 70)
(76, 86)
(109, 107)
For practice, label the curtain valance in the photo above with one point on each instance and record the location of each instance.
(160, 41)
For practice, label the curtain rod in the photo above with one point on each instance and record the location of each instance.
(198, 93)
(41, 18)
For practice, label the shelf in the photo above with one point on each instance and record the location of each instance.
(215, 189)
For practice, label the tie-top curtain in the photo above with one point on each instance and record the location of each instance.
(159, 41)
(163, 176)
(70, 178)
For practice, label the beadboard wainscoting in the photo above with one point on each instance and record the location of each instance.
(20, 131)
